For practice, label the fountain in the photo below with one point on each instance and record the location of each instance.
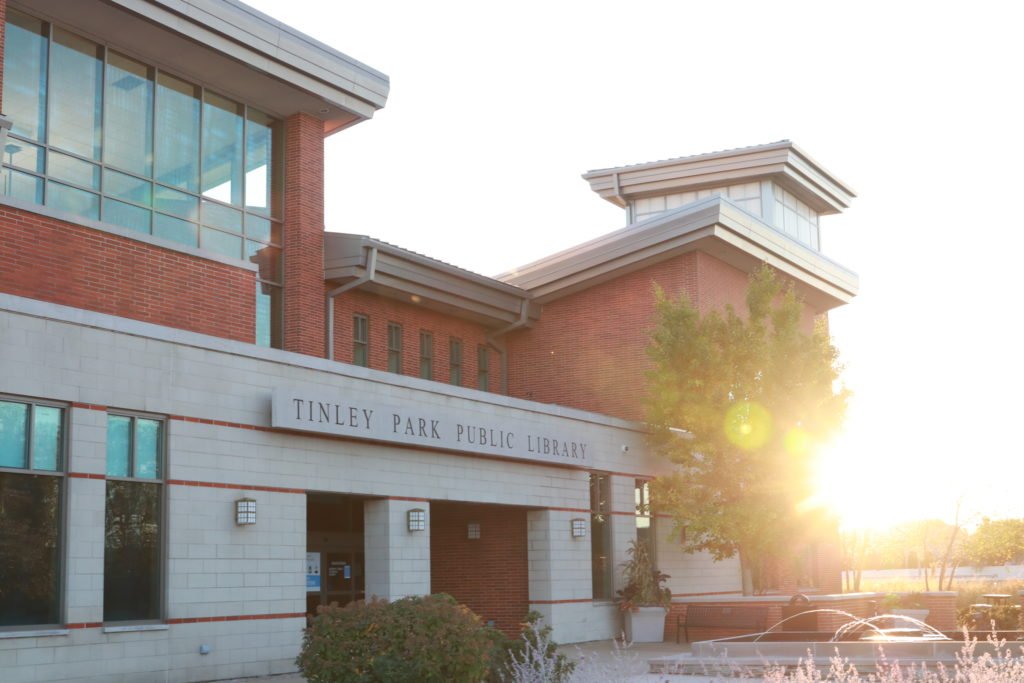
(863, 642)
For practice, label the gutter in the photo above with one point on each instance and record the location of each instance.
(499, 344)
(367, 276)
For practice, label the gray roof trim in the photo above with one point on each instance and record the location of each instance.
(714, 225)
(266, 44)
(782, 161)
(411, 277)
(233, 48)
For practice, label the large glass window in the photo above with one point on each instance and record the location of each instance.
(601, 535)
(132, 559)
(103, 136)
(31, 502)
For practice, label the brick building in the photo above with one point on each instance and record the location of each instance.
(214, 415)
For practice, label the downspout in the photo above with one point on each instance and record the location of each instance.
(499, 344)
(367, 276)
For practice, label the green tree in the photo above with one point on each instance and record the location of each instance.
(996, 542)
(741, 402)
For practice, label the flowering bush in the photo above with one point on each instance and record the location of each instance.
(428, 639)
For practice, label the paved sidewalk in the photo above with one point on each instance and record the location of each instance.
(606, 654)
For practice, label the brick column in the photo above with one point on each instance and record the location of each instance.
(303, 235)
(397, 560)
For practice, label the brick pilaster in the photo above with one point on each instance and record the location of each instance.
(303, 235)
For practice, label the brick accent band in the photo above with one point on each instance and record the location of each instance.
(237, 617)
(87, 624)
(239, 487)
(86, 475)
(563, 602)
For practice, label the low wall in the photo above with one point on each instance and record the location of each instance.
(941, 611)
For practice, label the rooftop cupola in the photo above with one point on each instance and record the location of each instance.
(777, 183)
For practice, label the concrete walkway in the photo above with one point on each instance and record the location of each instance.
(607, 657)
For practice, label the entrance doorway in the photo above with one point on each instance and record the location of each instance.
(335, 563)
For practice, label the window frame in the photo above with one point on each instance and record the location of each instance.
(394, 347)
(163, 510)
(483, 367)
(426, 354)
(601, 523)
(455, 361)
(361, 345)
(62, 521)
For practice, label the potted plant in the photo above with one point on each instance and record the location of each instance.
(644, 601)
(906, 605)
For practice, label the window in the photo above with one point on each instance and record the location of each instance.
(360, 340)
(644, 518)
(455, 361)
(132, 559)
(394, 347)
(32, 463)
(601, 535)
(426, 355)
(483, 368)
(103, 136)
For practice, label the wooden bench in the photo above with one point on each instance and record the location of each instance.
(747, 619)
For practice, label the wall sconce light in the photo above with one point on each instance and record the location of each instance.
(245, 511)
(473, 531)
(579, 528)
(416, 519)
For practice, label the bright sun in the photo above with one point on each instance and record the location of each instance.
(866, 487)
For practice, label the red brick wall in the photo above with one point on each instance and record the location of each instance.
(488, 575)
(588, 349)
(303, 247)
(859, 606)
(64, 263)
(380, 311)
(3, 18)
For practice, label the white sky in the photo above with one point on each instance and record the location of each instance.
(495, 111)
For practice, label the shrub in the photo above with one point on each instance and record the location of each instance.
(428, 639)
(1003, 617)
(531, 658)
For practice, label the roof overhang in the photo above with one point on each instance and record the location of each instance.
(715, 226)
(231, 48)
(782, 162)
(415, 279)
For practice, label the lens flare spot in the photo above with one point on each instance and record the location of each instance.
(797, 441)
(748, 425)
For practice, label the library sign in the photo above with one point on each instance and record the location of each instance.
(450, 428)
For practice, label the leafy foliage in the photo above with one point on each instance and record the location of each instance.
(995, 542)
(643, 581)
(997, 617)
(533, 657)
(755, 395)
(428, 639)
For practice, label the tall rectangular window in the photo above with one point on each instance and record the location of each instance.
(132, 559)
(394, 348)
(32, 444)
(426, 355)
(644, 517)
(483, 368)
(601, 535)
(455, 361)
(360, 340)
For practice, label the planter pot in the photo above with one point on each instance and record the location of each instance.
(919, 614)
(645, 625)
